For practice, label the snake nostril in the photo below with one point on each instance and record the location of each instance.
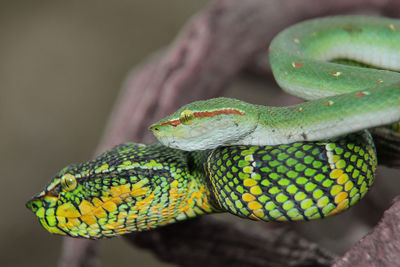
(32, 205)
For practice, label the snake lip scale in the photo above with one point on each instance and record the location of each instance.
(302, 162)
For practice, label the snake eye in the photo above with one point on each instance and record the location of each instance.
(68, 182)
(186, 117)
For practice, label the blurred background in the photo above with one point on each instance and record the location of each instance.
(62, 64)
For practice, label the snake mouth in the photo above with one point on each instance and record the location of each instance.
(42, 206)
(36, 202)
(41, 202)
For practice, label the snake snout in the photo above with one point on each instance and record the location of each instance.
(33, 205)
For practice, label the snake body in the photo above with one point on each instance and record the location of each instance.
(263, 163)
(135, 187)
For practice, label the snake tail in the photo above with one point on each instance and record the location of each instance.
(131, 187)
(301, 181)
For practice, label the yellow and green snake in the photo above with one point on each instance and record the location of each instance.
(301, 162)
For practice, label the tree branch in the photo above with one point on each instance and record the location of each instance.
(207, 241)
(381, 247)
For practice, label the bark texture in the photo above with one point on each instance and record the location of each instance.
(381, 247)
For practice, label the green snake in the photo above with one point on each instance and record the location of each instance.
(301, 162)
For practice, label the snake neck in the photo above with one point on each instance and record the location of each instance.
(131, 187)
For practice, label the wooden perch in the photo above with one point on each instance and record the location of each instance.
(381, 247)
(218, 43)
(210, 242)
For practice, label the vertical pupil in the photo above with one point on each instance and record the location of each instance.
(186, 116)
(68, 182)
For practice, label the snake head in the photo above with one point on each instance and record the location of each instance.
(131, 187)
(206, 124)
(98, 198)
(56, 205)
(88, 199)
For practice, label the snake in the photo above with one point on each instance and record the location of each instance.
(302, 162)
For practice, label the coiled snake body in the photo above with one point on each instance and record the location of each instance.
(263, 163)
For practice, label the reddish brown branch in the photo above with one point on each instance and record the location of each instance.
(210, 242)
(213, 48)
(381, 247)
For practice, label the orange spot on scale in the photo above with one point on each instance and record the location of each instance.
(361, 94)
(122, 231)
(85, 207)
(328, 103)
(125, 188)
(110, 206)
(379, 81)
(115, 191)
(131, 217)
(281, 219)
(339, 198)
(69, 225)
(254, 217)
(97, 202)
(75, 221)
(67, 210)
(139, 191)
(340, 207)
(193, 198)
(183, 202)
(122, 215)
(336, 173)
(259, 213)
(335, 73)
(248, 197)
(254, 205)
(113, 226)
(152, 223)
(144, 204)
(89, 219)
(55, 230)
(297, 64)
(163, 222)
(105, 198)
(117, 200)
